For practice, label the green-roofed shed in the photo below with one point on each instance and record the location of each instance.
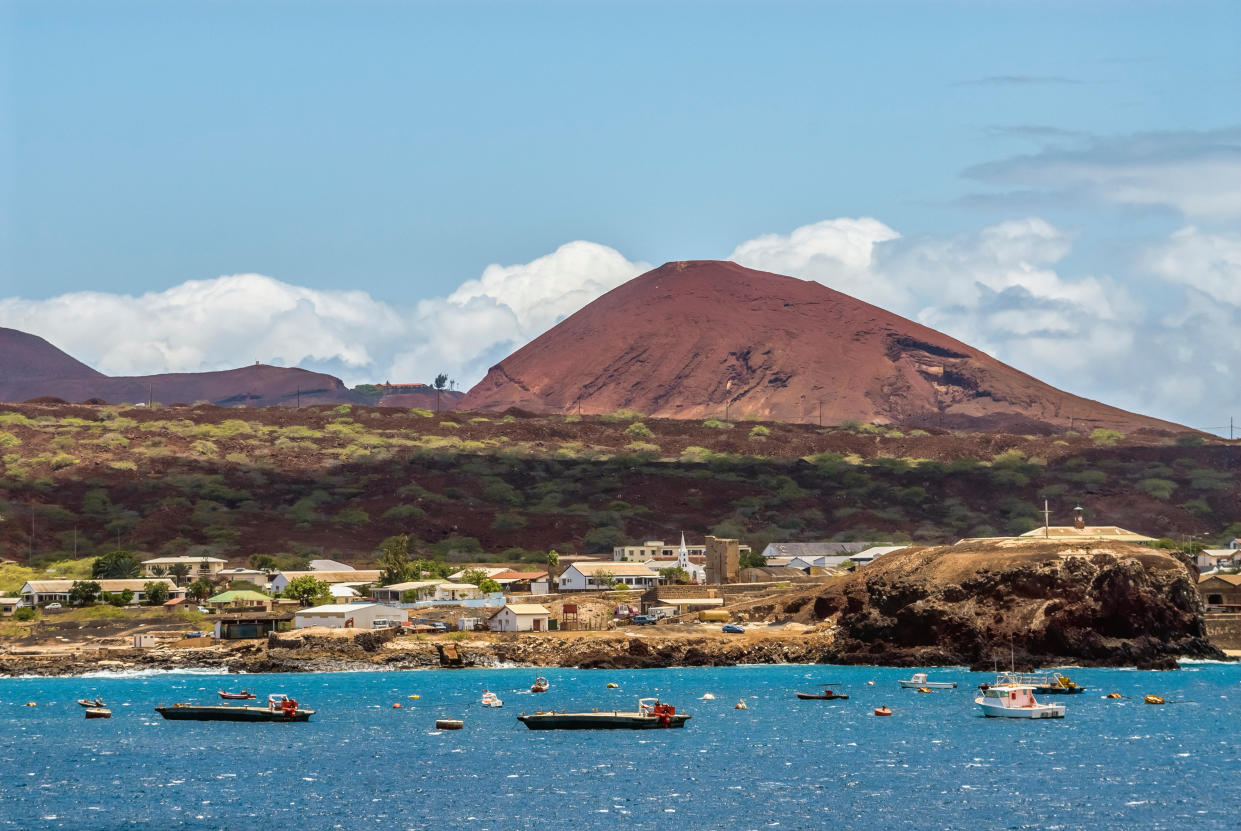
(240, 597)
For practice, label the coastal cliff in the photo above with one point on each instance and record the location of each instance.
(1086, 602)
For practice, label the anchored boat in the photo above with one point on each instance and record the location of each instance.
(919, 680)
(279, 708)
(651, 714)
(1051, 683)
(828, 694)
(540, 685)
(244, 695)
(1007, 700)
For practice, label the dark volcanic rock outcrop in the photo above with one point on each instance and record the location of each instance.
(1054, 602)
(689, 339)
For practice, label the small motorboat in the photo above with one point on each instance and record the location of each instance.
(98, 712)
(86, 702)
(540, 685)
(1007, 700)
(828, 694)
(244, 695)
(1153, 699)
(490, 699)
(449, 724)
(882, 711)
(919, 680)
(1113, 695)
(707, 697)
(1043, 684)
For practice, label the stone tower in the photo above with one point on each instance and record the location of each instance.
(723, 560)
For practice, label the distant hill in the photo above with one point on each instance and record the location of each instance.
(701, 339)
(30, 367)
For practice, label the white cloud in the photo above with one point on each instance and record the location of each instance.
(1197, 174)
(835, 252)
(235, 320)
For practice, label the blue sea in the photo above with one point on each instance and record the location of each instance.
(781, 763)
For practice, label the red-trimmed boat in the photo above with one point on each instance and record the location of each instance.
(237, 696)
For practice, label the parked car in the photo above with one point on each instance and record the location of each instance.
(438, 626)
(644, 620)
(732, 629)
(53, 606)
(204, 609)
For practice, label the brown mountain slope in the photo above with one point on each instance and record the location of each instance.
(30, 367)
(702, 338)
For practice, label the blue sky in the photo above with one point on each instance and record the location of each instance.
(399, 149)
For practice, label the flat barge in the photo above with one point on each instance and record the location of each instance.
(651, 715)
(279, 708)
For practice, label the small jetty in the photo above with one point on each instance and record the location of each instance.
(449, 724)
(279, 708)
(651, 714)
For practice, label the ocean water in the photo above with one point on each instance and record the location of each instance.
(781, 763)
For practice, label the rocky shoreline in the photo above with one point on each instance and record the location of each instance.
(303, 655)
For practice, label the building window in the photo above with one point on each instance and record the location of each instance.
(1215, 599)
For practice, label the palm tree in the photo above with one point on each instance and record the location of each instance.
(158, 571)
(179, 571)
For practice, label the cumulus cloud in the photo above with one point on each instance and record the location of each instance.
(835, 252)
(235, 320)
(1197, 174)
(1004, 289)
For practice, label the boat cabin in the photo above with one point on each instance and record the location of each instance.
(1010, 696)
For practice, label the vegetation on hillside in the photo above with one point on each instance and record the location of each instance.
(279, 486)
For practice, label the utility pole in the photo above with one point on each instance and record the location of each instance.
(150, 395)
(299, 398)
(820, 413)
(1046, 520)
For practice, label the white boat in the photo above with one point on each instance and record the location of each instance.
(1002, 700)
(919, 680)
(490, 699)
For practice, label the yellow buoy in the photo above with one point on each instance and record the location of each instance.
(31, 704)
(1113, 695)
(1153, 699)
(612, 685)
(414, 697)
(924, 689)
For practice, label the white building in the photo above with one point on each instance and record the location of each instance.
(199, 566)
(345, 615)
(395, 594)
(652, 549)
(581, 575)
(519, 617)
(42, 592)
(1212, 559)
(359, 577)
(490, 571)
(863, 557)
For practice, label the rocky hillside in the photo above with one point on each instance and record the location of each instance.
(1107, 603)
(714, 339)
(30, 367)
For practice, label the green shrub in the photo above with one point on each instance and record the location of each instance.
(758, 431)
(620, 415)
(1158, 488)
(420, 412)
(716, 424)
(480, 420)
(1105, 438)
(638, 430)
(123, 464)
(399, 512)
(25, 613)
(8, 439)
(508, 522)
(1192, 440)
(202, 447)
(351, 517)
(450, 425)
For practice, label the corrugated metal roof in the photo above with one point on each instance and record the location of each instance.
(616, 569)
(525, 609)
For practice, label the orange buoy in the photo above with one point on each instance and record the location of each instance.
(396, 705)
(882, 711)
